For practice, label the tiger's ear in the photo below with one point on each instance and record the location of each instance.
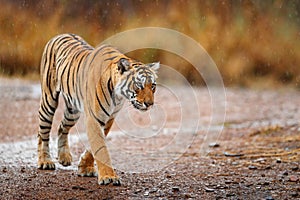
(123, 65)
(154, 66)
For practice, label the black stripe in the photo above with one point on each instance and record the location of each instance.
(98, 50)
(72, 111)
(89, 108)
(98, 150)
(45, 110)
(52, 109)
(49, 77)
(61, 41)
(75, 73)
(67, 48)
(111, 58)
(110, 52)
(125, 84)
(102, 90)
(70, 66)
(71, 119)
(98, 120)
(45, 127)
(62, 74)
(110, 88)
(45, 140)
(44, 119)
(99, 102)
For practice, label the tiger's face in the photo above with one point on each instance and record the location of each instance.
(138, 83)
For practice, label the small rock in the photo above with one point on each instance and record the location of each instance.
(230, 195)
(268, 167)
(4, 169)
(152, 190)
(137, 191)
(278, 160)
(22, 169)
(78, 188)
(260, 160)
(175, 189)
(209, 189)
(227, 154)
(294, 194)
(293, 178)
(234, 163)
(146, 193)
(285, 173)
(266, 183)
(251, 167)
(269, 198)
(214, 144)
(187, 195)
(295, 168)
(169, 176)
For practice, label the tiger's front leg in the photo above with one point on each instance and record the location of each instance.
(106, 173)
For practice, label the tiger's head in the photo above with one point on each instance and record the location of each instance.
(137, 82)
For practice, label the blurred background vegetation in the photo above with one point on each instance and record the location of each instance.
(253, 43)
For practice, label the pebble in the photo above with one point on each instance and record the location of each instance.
(268, 167)
(234, 163)
(169, 176)
(22, 169)
(294, 194)
(209, 189)
(175, 189)
(252, 167)
(269, 198)
(278, 160)
(260, 160)
(214, 144)
(4, 169)
(230, 195)
(293, 178)
(233, 154)
(153, 190)
(78, 188)
(295, 168)
(187, 195)
(285, 173)
(137, 191)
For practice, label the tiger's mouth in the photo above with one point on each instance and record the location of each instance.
(140, 106)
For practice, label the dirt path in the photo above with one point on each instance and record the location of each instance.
(157, 154)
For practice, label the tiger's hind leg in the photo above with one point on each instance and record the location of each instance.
(47, 109)
(71, 116)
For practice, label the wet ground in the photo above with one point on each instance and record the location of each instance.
(159, 154)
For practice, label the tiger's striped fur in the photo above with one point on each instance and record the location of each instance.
(95, 81)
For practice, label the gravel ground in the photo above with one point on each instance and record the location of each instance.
(158, 154)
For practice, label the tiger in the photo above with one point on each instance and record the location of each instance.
(95, 81)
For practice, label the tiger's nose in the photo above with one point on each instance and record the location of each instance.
(148, 103)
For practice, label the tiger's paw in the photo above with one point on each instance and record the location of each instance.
(46, 164)
(107, 180)
(65, 158)
(86, 171)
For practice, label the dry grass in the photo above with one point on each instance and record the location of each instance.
(252, 42)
